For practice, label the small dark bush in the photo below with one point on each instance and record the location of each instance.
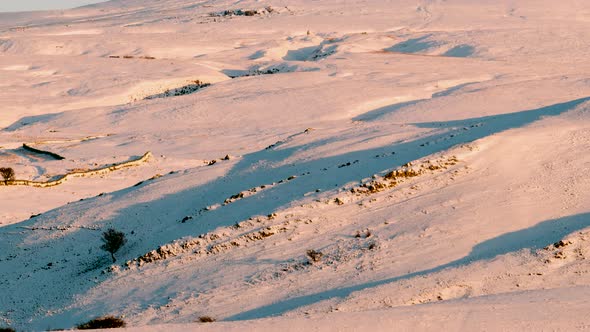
(107, 322)
(315, 256)
(206, 319)
(7, 329)
(113, 240)
(7, 173)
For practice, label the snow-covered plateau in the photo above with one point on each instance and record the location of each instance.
(301, 165)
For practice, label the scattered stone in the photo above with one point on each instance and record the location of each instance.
(562, 244)
(402, 173)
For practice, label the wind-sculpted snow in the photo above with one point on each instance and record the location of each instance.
(417, 165)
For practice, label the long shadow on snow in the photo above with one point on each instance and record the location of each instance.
(413, 45)
(532, 238)
(28, 120)
(376, 114)
(251, 171)
(254, 170)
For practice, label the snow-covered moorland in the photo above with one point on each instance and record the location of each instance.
(327, 165)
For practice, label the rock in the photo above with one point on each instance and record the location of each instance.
(562, 244)
(315, 256)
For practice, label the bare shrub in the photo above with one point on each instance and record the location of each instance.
(7, 174)
(314, 256)
(113, 241)
(206, 319)
(107, 322)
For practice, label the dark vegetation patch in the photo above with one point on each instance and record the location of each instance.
(7, 174)
(243, 12)
(314, 256)
(107, 322)
(145, 57)
(195, 86)
(282, 68)
(113, 240)
(255, 72)
(206, 319)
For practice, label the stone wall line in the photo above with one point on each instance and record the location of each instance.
(63, 178)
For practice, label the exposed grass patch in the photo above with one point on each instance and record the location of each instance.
(195, 86)
(107, 322)
(206, 319)
(243, 12)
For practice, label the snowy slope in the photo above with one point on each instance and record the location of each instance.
(482, 107)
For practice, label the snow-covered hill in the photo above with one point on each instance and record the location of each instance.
(335, 165)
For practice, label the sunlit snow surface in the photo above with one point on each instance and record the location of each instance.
(33, 5)
(273, 125)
